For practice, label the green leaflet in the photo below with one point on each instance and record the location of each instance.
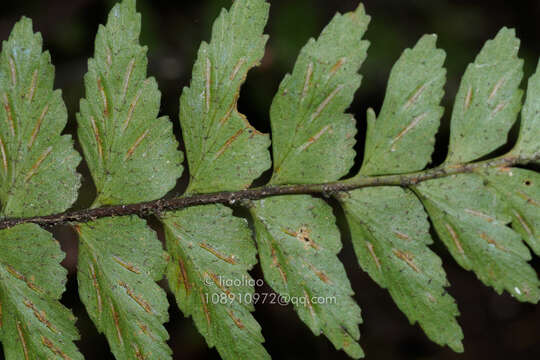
(488, 100)
(402, 138)
(37, 174)
(307, 114)
(298, 241)
(132, 155)
(33, 323)
(388, 225)
(520, 189)
(472, 222)
(211, 253)
(36, 162)
(297, 236)
(119, 261)
(390, 233)
(224, 151)
(528, 145)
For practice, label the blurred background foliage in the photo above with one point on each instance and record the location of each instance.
(495, 327)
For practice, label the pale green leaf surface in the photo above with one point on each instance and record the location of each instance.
(488, 100)
(119, 261)
(528, 145)
(211, 253)
(521, 190)
(35, 160)
(33, 323)
(224, 151)
(298, 241)
(402, 138)
(307, 115)
(132, 154)
(37, 177)
(390, 233)
(472, 222)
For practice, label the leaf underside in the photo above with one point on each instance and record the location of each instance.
(402, 138)
(528, 145)
(33, 323)
(307, 114)
(472, 222)
(119, 261)
(35, 162)
(297, 237)
(520, 188)
(298, 241)
(487, 216)
(224, 151)
(211, 253)
(390, 234)
(132, 156)
(488, 100)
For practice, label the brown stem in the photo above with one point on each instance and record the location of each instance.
(157, 207)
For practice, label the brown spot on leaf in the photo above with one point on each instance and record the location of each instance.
(455, 238)
(210, 249)
(492, 241)
(49, 344)
(372, 253)
(184, 277)
(136, 144)
(228, 143)
(95, 284)
(303, 234)
(138, 299)
(22, 340)
(218, 283)
(40, 315)
(236, 320)
(275, 263)
(407, 257)
(401, 235)
(205, 308)
(116, 320)
(126, 265)
(320, 274)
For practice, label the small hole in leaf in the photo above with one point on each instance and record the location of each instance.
(528, 182)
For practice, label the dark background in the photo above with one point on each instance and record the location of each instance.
(495, 326)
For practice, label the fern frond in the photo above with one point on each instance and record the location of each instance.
(211, 253)
(224, 151)
(298, 249)
(402, 138)
(472, 222)
(519, 188)
(488, 100)
(208, 245)
(36, 162)
(298, 241)
(33, 322)
(390, 234)
(307, 114)
(528, 146)
(483, 208)
(119, 261)
(132, 156)
(123, 141)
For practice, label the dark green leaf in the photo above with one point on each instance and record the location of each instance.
(224, 151)
(212, 252)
